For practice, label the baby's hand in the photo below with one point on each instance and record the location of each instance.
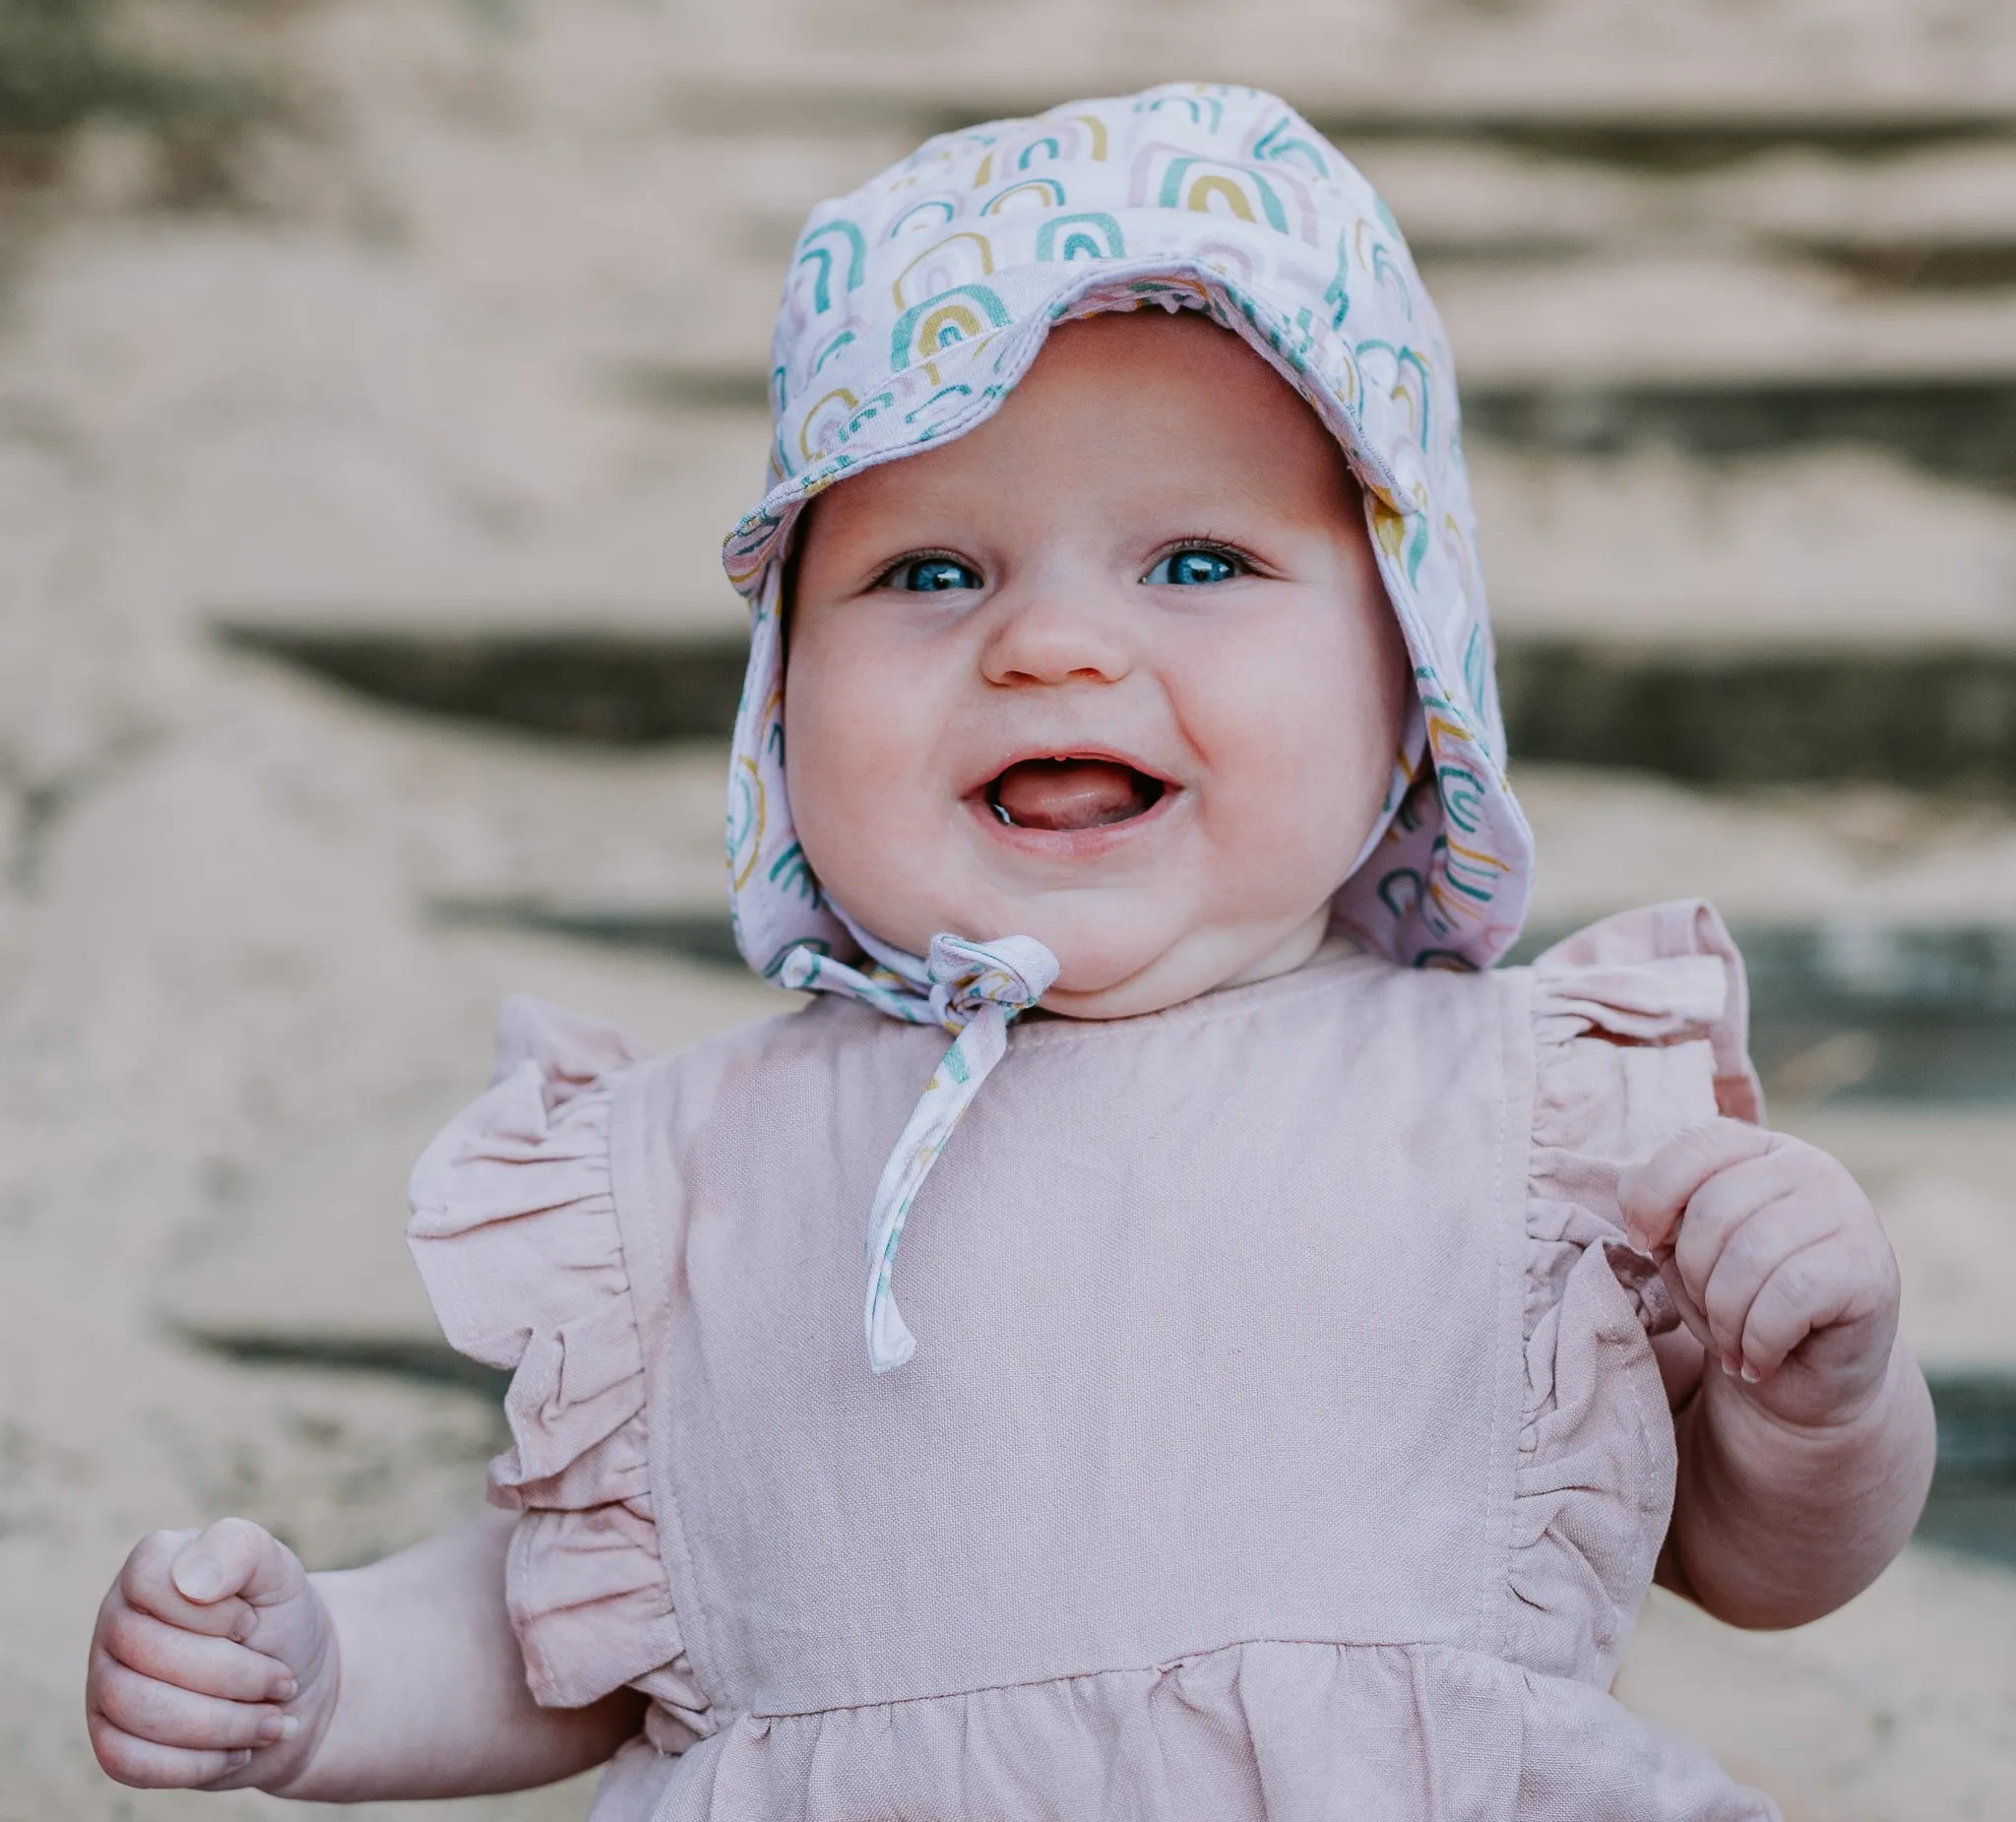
(214, 1663)
(1779, 1265)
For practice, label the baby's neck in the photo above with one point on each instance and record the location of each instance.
(1308, 942)
(1295, 950)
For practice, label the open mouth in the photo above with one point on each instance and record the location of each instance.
(1067, 793)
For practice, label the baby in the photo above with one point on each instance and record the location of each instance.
(1323, 1339)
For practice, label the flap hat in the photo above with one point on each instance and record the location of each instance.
(913, 306)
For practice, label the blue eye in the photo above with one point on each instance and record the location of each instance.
(1191, 567)
(931, 576)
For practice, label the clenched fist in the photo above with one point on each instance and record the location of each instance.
(213, 1663)
(1777, 1262)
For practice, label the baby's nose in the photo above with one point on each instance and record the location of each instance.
(1053, 638)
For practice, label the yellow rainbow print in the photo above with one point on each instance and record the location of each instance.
(955, 260)
(1031, 193)
(811, 440)
(965, 313)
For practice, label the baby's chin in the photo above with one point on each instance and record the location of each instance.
(1121, 971)
(1115, 964)
(1107, 962)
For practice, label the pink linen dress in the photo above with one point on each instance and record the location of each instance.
(1288, 1443)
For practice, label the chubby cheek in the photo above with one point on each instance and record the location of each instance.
(855, 757)
(1299, 742)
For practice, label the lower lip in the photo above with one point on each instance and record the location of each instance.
(1073, 844)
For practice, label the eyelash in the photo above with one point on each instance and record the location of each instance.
(1214, 546)
(887, 579)
(1230, 553)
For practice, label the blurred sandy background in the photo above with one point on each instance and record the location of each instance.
(376, 380)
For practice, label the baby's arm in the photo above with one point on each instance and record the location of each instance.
(219, 1663)
(1805, 1429)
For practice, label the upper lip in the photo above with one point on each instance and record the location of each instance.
(1092, 751)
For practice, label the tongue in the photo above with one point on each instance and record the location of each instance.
(1073, 793)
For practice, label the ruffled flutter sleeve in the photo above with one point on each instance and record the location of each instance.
(516, 1232)
(1639, 1030)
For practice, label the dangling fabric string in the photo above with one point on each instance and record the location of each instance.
(975, 990)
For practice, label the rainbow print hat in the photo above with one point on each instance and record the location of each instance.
(916, 302)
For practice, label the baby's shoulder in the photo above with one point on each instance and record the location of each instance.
(563, 1055)
(1681, 930)
(1649, 1010)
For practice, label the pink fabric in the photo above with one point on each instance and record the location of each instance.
(1289, 1446)
(515, 1230)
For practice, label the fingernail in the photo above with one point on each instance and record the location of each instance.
(1750, 1374)
(237, 1761)
(280, 1727)
(201, 1578)
(285, 1689)
(1730, 1365)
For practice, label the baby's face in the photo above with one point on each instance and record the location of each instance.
(1115, 671)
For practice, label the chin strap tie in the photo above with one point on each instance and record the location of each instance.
(974, 990)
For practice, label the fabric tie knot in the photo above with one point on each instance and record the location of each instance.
(973, 989)
(1011, 973)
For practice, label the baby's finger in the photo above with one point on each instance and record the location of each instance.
(1683, 1301)
(147, 1582)
(147, 1765)
(1755, 1248)
(194, 1661)
(1653, 1194)
(169, 1717)
(1729, 1204)
(1802, 1294)
(234, 1556)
